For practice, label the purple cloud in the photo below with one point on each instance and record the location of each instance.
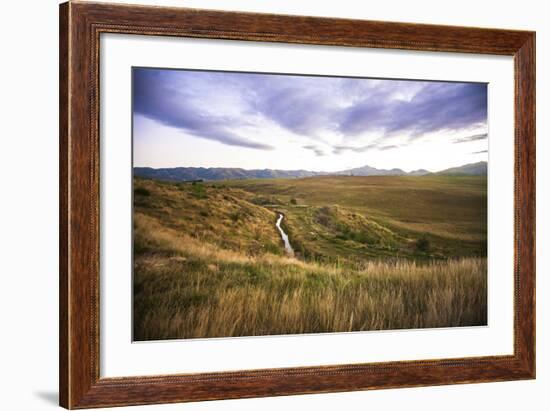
(226, 107)
(434, 107)
(157, 97)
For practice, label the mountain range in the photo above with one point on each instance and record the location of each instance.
(223, 173)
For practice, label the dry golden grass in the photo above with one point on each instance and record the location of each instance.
(188, 288)
(451, 208)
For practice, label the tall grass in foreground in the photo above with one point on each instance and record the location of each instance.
(185, 288)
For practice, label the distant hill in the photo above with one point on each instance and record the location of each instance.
(371, 171)
(201, 173)
(473, 169)
(419, 172)
(222, 173)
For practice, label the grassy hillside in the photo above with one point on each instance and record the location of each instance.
(372, 253)
(381, 216)
(222, 217)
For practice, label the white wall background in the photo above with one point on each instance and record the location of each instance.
(29, 190)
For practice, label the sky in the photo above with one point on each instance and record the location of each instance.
(184, 118)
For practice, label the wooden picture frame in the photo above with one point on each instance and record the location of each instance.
(80, 27)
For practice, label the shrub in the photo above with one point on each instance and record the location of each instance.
(142, 191)
(293, 201)
(264, 200)
(198, 190)
(423, 244)
(325, 216)
(236, 216)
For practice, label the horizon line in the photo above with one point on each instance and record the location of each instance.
(311, 171)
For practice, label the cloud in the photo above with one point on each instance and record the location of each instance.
(390, 147)
(157, 97)
(349, 107)
(300, 106)
(237, 108)
(467, 139)
(318, 152)
(479, 152)
(434, 107)
(339, 149)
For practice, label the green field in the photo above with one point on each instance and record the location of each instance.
(371, 253)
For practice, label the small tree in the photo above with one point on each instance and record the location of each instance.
(423, 244)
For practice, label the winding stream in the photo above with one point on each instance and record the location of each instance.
(288, 248)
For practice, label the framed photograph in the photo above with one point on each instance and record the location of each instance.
(258, 205)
